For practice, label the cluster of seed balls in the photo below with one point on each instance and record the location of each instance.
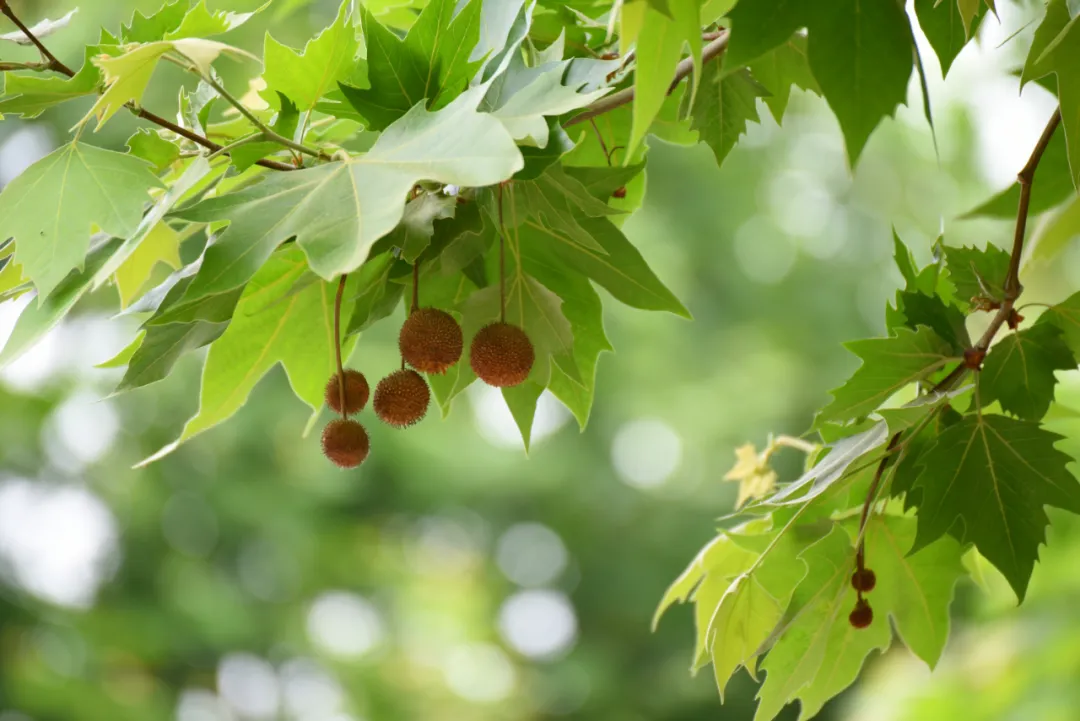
(863, 581)
(430, 341)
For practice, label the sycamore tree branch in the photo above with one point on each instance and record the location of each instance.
(616, 100)
(54, 64)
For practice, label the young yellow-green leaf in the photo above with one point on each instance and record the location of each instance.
(977, 272)
(126, 76)
(122, 358)
(969, 10)
(660, 43)
(1019, 370)
(861, 55)
(271, 325)
(30, 95)
(338, 210)
(150, 28)
(889, 364)
(326, 60)
(161, 245)
(915, 590)
(723, 106)
(782, 68)
(199, 22)
(430, 65)
(50, 208)
(39, 318)
(819, 603)
(986, 480)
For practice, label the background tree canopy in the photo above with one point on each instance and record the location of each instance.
(195, 194)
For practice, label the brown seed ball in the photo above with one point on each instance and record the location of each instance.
(401, 398)
(863, 580)
(862, 616)
(356, 392)
(345, 442)
(501, 355)
(430, 340)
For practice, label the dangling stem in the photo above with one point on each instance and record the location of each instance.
(502, 260)
(337, 343)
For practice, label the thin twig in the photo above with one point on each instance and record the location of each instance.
(54, 63)
(415, 287)
(609, 102)
(337, 342)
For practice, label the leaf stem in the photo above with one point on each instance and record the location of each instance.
(609, 102)
(226, 150)
(502, 259)
(337, 342)
(415, 287)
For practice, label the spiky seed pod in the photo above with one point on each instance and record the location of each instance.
(501, 355)
(430, 340)
(345, 442)
(356, 392)
(402, 398)
(863, 615)
(863, 580)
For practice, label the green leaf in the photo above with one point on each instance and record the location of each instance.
(915, 590)
(977, 272)
(837, 464)
(994, 475)
(199, 22)
(758, 27)
(161, 244)
(413, 234)
(945, 28)
(325, 61)
(1066, 316)
(375, 296)
(521, 97)
(659, 47)
(122, 358)
(284, 123)
(818, 605)
(271, 325)
(338, 210)
(861, 55)
(430, 65)
(39, 318)
(521, 400)
(944, 319)
(1053, 184)
(1019, 370)
(30, 95)
(50, 208)
(1054, 22)
(153, 148)
(1062, 56)
(889, 364)
(723, 107)
(40, 30)
(582, 308)
(162, 347)
(779, 70)
(147, 29)
(1056, 235)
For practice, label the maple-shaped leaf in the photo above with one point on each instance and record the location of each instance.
(946, 29)
(272, 324)
(338, 210)
(1066, 316)
(201, 22)
(1039, 63)
(723, 106)
(1019, 370)
(430, 65)
(889, 364)
(50, 208)
(30, 95)
(977, 272)
(784, 67)
(986, 480)
(326, 60)
(153, 148)
(148, 28)
(915, 590)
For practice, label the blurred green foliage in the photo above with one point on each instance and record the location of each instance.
(244, 570)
